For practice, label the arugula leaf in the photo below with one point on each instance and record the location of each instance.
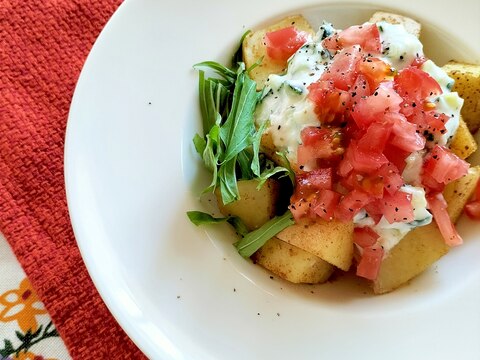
(228, 181)
(221, 70)
(239, 127)
(257, 238)
(238, 56)
(201, 218)
(256, 148)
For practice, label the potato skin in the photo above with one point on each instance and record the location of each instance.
(331, 241)
(255, 207)
(412, 26)
(467, 84)
(423, 246)
(292, 263)
(254, 48)
(463, 144)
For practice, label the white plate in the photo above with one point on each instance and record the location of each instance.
(183, 293)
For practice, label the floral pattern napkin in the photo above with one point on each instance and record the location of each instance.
(26, 330)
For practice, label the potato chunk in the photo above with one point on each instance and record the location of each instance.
(255, 207)
(409, 24)
(254, 48)
(467, 84)
(421, 247)
(331, 241)
(463, 144)
(292, 263)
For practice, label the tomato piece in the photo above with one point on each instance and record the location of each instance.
(396, 156)
(351, 204)
(438, 207)
(319, 143)
(391, 177)
(342, 72)
(430, 123)
(373, 108)
(366, 161)
(375, 138)
(418, 61)
(375, 71)
(307, 186)
(472, 209)
(375, 210)
(398, 207)
(283, 43)
(369, 265)
(405, 135)
(330, 103)
(442, 166)
(325, 203)
(299, 208)
(366, 35)
(364, 236)
(415, 86)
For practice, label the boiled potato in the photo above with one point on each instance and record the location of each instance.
(467, 84)
(459, 192)
(255, 207)
(292, 263)
(331, 241)
(410, 25)
(254, 48)
(421, 247)
(463, 144)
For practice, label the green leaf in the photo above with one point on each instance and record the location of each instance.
(255, 166)
(228, 181)
(200, 144)
(20, 336)
(221, 70)
(286, 165)
(211, 155)
(239, 127)
(7, 348)
(269, 172)
(244, 161)
(257, 238)
(238, 56)
(201, 218)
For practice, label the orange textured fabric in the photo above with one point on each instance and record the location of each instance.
(44, 44)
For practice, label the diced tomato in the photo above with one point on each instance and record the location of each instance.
(438, 207)
(396, 156)
(319, 143)
(330, 103)
(373, 108)
(442, 166)
(325, 203)
(429, 123)
(342, 72)
(367, 36)
(283, 43)
(391, 177)
(318, 179)
(375, 71)
(418, 61)
(299, 208)
(472, 209)
(369, 265)
(375, 138)
(351, 204)
(415, 85)
(366, 161)
(364, 236)
(375, 210)
(398, 207)
(405, 135)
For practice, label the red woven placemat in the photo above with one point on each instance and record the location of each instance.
(44, 44)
